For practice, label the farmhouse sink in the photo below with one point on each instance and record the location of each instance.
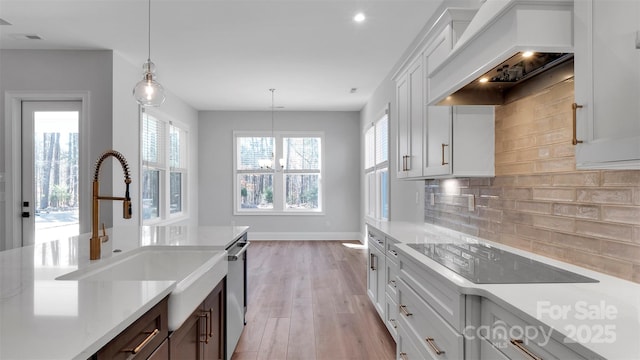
(196, 272)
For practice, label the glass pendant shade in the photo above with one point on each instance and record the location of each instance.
(149, 92)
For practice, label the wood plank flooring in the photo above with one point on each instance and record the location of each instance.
(308, 301)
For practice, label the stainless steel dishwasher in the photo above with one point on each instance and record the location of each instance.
(236, 292)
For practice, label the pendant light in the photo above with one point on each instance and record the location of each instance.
(149, 92)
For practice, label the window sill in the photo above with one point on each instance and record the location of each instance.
(278, 213)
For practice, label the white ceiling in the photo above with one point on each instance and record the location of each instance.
(226, 54)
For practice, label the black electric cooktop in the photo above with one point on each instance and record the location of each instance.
(484, 264)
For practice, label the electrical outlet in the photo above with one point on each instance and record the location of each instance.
(472, 202)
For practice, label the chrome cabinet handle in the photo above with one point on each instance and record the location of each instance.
(443, 162)
(575, 108)
(433, 346)
(403, 310)
(393, 252)
(372, 258)
(393, 323)
(392, 283)
(518, 343)
(144, 342)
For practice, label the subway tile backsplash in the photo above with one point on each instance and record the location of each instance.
(538, 201)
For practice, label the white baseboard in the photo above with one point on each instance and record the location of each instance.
(336, 236)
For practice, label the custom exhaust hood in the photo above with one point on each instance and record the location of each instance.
(511, 48)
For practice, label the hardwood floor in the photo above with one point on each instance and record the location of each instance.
(308, 300)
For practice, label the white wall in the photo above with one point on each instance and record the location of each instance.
(54, 72)
(341, 181)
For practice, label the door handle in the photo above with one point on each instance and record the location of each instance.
(26, 214)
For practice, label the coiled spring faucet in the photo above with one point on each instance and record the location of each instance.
(94, 244)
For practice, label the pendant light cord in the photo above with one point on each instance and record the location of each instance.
(149, 32)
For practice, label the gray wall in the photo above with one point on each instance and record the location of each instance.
(57, 71)
(113, 121)
(341, 174)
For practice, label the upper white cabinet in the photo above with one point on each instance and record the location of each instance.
(607, 83)
(440, 141)
(460, 141)
(410, 100)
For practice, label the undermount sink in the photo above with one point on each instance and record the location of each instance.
(196, 272)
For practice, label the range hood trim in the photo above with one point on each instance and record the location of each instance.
(492, 38)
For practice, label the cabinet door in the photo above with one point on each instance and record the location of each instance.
(372, 274)
(416, 118)
(438, 143)
(214, 310)
(473, 148)
(402, 102)
(607, 83)
(184, 343)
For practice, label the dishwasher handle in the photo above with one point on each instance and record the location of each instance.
(236, 254)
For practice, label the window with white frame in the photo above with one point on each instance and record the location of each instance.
(164, 169)
(376, 168)
(278, 173)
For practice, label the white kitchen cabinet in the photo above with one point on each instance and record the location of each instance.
(427, 135)
(607, 84)
(376, 281)
(410, 99)
(460, 141)
(498, 322)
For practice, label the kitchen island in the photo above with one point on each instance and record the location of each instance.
(45, 318)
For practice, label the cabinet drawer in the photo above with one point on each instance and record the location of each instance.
(405, 348)
(489, 352)
(431, 331)
(391, 276)
(391, 316)
(499, 324)
(442, 296)
(376, 239)
(141, 338)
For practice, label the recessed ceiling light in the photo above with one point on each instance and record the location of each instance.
(484, 80)
(359, 17)
(353, 90)
(4, 22)
(25, 36)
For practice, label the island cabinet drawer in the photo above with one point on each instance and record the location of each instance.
(391, 276)
(141, 338)
(391, 316)
(430, 331)
(519, 339)
(442, 296)
(406, 348)
(376, 239)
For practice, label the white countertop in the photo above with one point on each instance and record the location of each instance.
(45, 318)
(621, 339)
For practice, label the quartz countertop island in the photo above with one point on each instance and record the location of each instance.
(45, 318)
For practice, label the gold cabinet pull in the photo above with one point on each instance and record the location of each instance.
(443, 162)
(433, 346)
(520, 346)
(575, 108)
(144, 342)
(403, 309)
(403, 356)
(211, 322)
(207, 326)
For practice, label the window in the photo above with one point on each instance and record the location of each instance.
(164, 169)
(376, 168)
(278, 174)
